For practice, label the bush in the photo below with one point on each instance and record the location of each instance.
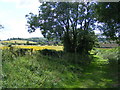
(52, 53)
(7, 55)
(81, 59)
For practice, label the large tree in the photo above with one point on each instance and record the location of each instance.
(72, 23)
(108, 13)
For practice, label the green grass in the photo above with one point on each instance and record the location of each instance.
(38, 71)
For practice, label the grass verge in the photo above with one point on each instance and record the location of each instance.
(38, 71)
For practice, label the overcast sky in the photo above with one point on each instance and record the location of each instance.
(12, 17)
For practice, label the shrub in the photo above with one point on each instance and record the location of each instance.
(52, 53)
(7, 55)
(81, 59)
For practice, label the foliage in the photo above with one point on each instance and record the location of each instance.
(108, 14)
(51, 52)
(80, 59)
(38, 71)
(7, 55)
(66, 21)
(113, 57)
(111, 54)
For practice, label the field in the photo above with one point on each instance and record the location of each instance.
(16, 41)
(35, 47)
(40, 71)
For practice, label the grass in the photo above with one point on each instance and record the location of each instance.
(38, 71)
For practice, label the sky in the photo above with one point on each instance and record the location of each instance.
(12, 17)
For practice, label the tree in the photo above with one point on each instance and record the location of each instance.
(72, 23)
(108, 13)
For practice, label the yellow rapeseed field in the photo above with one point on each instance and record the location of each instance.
(35, 47)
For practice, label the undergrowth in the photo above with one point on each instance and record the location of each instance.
(39, 71)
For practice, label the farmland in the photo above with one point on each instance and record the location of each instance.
(35, 47)
(16, 42)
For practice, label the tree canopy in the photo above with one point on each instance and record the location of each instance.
(59, 17)
(108, 13)
(71, 22)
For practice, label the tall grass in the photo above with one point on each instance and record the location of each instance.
(40, 71)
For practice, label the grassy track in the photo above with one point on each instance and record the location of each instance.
(98, 74)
